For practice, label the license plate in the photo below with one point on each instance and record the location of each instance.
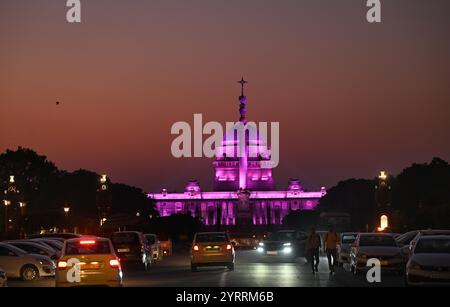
(272, 253)
(90, 266)
(123, 250)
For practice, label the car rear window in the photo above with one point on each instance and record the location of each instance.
(125, 238)
(211, 237)
(433, 246)
(77, 248)
(377, 241)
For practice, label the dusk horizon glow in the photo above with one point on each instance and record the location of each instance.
(352, 98)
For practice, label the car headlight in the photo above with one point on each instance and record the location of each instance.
(287, 250)
(260, 249)
(261, 244)
(287, 244)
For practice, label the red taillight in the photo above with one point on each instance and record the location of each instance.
(87, 242)
(62, 264)
(228, 246)
(196, 247)
(114, 263)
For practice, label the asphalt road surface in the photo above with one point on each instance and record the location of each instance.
(251, 270)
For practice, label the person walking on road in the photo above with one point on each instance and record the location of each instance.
(330, 242)
(313, 246)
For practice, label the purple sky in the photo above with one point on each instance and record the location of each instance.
(351, 97)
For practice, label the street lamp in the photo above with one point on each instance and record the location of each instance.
(383, 175)
(66, 210)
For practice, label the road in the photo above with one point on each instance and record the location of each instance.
(251, 270)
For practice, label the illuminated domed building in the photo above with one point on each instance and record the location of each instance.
(244, 192)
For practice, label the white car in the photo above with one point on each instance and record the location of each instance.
(3, 279)
(381, 246)
(17, 263)
(429, 262)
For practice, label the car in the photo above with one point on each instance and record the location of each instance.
(212, 249)
(166, 245)
(95, 259)
(287, 244)
(381, 246)
(155, 246)
(429, 262)
(35, 248)
(132, 249)
(19, 264)
(56, 235)
(428, 232)
(3, 279)
(344, 247)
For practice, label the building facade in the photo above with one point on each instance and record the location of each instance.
(244, 193)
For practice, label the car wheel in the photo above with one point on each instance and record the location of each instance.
(231, 266)
(193, 268)
(29, 273)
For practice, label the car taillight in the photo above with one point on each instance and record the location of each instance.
(62, 264)
(87, 242)
(196, 247)
(228, 246)
(114, 263)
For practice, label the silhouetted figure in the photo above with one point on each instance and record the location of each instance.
(313, 246)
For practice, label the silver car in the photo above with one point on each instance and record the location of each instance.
(429, 262)
(35, 248)
(381, 246)
(18, 264)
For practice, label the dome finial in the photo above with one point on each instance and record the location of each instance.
(243, 102)
(242, 82)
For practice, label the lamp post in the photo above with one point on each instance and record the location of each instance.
(382, 200)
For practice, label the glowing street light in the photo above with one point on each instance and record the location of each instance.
(6, 202)
(22, 205)
(66, 210)
(11, 179)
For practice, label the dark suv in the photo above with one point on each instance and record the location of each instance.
(132, 249)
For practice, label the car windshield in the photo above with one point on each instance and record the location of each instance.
(281, 236)
(211, 237)
(125, 238)
(433, 246)
(377, 241)
(348, 238)
(406, 237)
(80, 248)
